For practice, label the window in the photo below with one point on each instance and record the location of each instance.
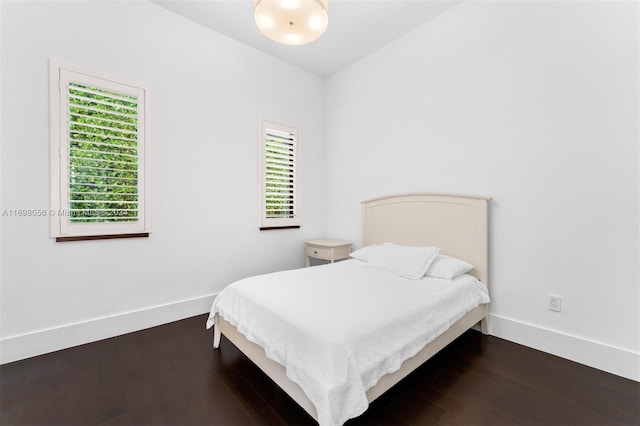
(99, 181)
(279, 174)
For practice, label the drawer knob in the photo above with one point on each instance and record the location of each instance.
(315, 252)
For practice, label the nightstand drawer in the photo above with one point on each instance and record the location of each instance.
(330, 250)
(319, 253)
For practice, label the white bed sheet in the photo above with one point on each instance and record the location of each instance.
(339, 328)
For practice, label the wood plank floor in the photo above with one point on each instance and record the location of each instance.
(170, 375)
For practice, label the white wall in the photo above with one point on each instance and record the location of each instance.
(536, 105)
(208, 93)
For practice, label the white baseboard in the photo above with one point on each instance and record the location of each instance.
(618, 361)
(14, 348)
(614, 360)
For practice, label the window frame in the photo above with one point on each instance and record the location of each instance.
(266, 223)
(61, 228)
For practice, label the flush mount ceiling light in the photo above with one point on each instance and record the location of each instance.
(291, 21)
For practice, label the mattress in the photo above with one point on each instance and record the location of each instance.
(338, 328)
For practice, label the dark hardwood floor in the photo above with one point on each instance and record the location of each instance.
(170, 375)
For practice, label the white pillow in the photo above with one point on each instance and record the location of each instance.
(448, 267)
(408, 262)
(366, 253)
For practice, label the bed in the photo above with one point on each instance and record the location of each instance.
(334, 382)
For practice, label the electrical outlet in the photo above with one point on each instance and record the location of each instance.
(555, 303)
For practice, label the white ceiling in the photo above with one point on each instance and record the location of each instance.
(356, 27)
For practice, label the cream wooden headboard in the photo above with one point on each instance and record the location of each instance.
(454, 223)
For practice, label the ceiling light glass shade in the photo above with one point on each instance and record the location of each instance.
(291, 21)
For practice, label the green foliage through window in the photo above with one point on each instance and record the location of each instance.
(103, 155)
(279, 175)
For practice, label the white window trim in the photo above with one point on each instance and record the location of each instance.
(270, 223)
(59, 219)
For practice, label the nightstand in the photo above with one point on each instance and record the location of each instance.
(330, 250)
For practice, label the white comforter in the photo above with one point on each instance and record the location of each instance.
(339, 328)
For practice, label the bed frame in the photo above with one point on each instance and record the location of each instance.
(455, 223)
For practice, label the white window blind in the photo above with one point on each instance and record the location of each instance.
(98, 175)
(103, 155)
(279, 183)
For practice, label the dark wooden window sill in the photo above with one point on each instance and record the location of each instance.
(269, 228)
(101, 237)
